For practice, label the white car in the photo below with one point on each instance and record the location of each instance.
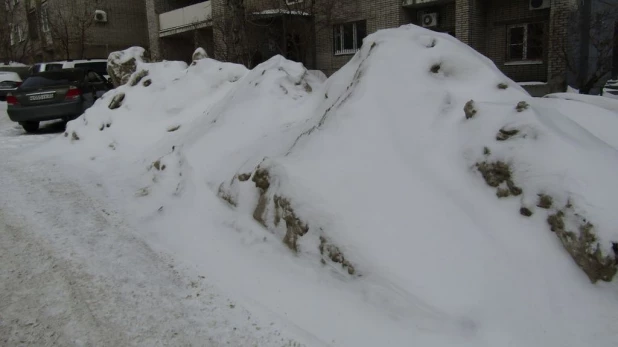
(97, 65)
(9, 81)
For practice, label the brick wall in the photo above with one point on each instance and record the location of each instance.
(499, 16)
(378, 14)
(470, 21)
(126, 27)
(558, 33)
(446, 16)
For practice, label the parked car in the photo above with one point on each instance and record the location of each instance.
(62, 94)
(9, 81)
(97, 65)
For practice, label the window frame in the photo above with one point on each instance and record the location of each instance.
(44, 17)
(524, 59)
(12, 35)
(340, 29)
(20, 33)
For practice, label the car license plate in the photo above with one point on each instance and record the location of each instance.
(41, 97)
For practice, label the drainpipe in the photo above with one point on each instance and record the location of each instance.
(615, 63)
(584, 49)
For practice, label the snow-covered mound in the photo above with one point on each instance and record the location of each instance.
(418, 174)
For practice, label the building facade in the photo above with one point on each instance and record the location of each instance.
(522, 37)
(47, 30)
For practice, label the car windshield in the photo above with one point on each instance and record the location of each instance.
(53, 78)
(98, 67)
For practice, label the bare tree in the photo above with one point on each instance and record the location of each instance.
(589, 55)
(15, 43)
(70, 24)
(232, 31)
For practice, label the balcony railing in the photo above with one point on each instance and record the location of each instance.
(422, 2)
(185, 19)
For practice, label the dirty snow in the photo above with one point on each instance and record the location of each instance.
(380, 160)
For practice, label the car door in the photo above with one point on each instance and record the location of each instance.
(89, 90)
(98, 83)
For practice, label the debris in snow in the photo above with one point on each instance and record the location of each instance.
(137, 77)
(74, 136)
(522, 106)
(147, 83)
(244, 177)
(470, 109)
(295, 227)
(157, 165)
(435, 68)
(545, 201)
(502, 85)
(496, 174)
(505, 134)
(525, 211)
(334, 253)
(122, 64)
(225, 196)
(582, 245)
(116, 101)
(173, 128)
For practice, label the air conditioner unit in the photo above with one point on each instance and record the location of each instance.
(429, 20)
(538, 4)
(100, 16)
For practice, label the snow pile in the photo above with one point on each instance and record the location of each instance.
(199, 53)
(600, 101)
(429, 191)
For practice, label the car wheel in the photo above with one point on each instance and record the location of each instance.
(30, 126)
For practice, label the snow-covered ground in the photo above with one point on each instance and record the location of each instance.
(75, 273)
(345, 212)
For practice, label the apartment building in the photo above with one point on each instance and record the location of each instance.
(45, 30)
(520, 36)
(177, 27)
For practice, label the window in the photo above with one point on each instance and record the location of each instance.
(33, 31)
(348, 37)
(44, 19)
(53, 67)
(98, 67)
(12, 34)
(20, 33)
(93, 77)
(525, 42)
(16, 34)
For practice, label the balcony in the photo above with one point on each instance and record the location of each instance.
(419, 3)
(188, 18)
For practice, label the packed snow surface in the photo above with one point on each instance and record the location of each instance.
(378, 164)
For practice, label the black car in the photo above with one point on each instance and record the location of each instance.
(61, 94)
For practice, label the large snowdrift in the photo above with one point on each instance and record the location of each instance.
(419, 182)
